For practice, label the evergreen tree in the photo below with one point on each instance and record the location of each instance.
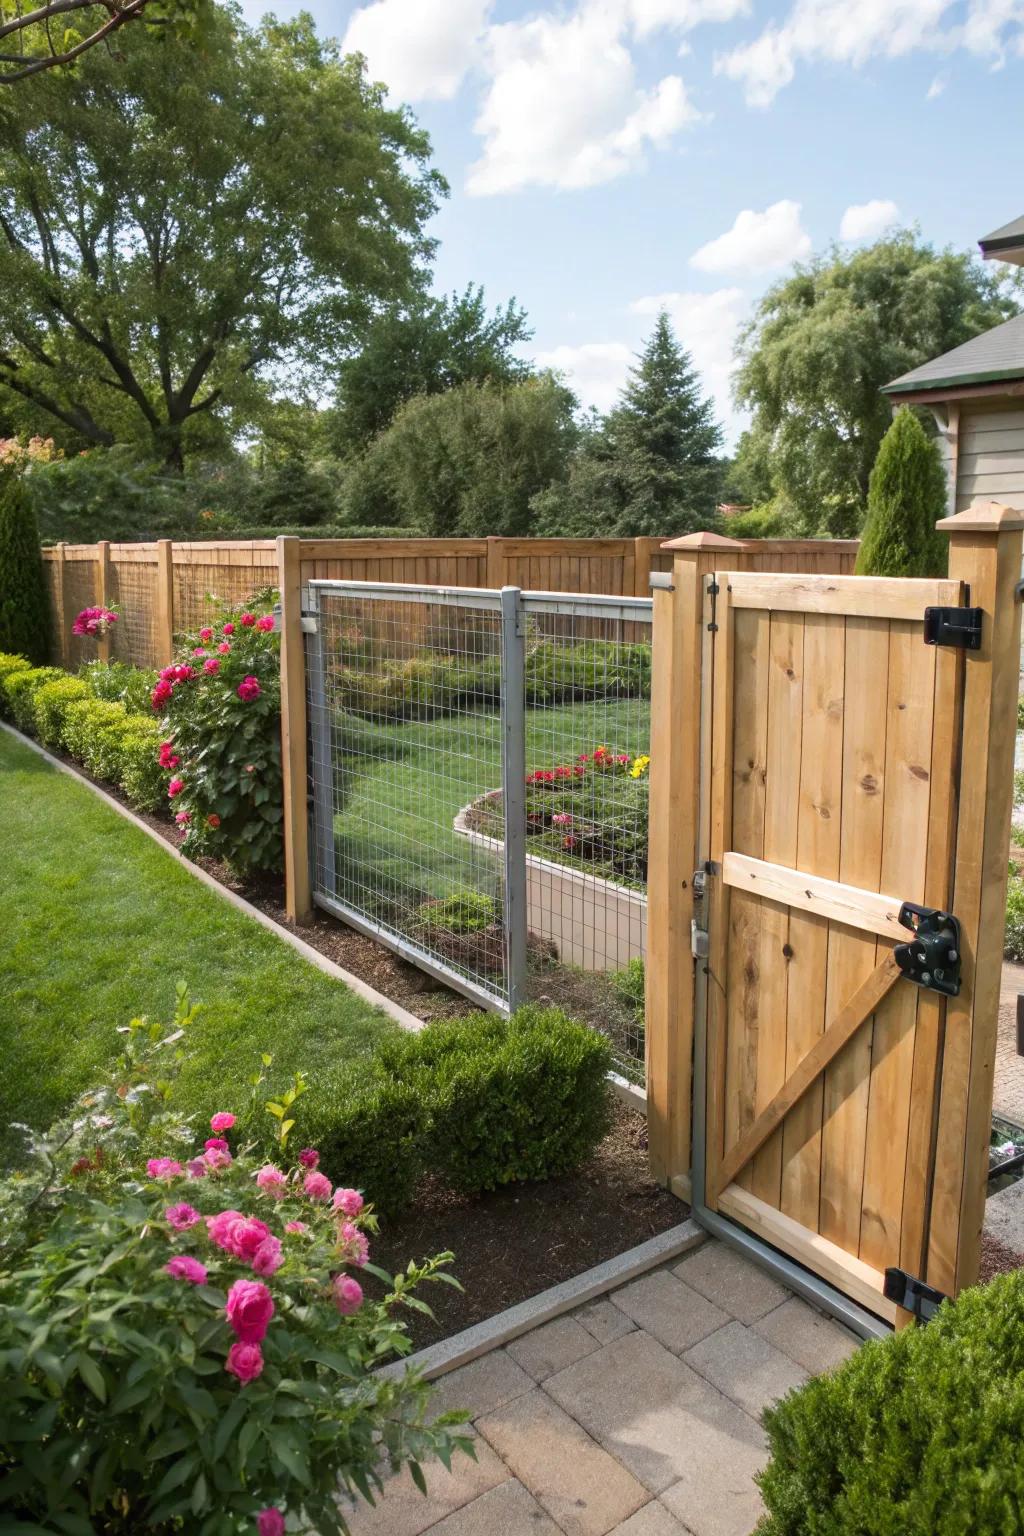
(906, 498)
(651, 467)
(24, 600)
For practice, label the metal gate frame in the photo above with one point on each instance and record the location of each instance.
(513, 607)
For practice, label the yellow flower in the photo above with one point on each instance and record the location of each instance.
(640, 765)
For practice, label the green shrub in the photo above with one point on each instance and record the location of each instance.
(371, 1130)
(24, 599)
(906, 497)
(141, 777)
(93, 733)
(916, 1435)
(50, 705)
(465, 912)
(508, 1099)
(20, 688)
(121, 684)
(10, 665)
(1013, 943)
(630, 986)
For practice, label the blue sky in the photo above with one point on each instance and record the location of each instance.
(607, 156)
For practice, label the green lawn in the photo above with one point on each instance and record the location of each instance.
(99, 924)
(403, 785)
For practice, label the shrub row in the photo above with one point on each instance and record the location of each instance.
(427, 686)
(109, 739)
(481, 1102)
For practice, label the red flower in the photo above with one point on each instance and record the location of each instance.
(213, 821)
(266, 623)
(175, 787)
(249, 689)
(247, 620)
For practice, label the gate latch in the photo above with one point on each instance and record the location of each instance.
(953, 626)
(932, 957)
(912, 1295)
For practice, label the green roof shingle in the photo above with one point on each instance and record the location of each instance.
(993, 356)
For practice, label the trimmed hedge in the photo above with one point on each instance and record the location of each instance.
(916, 1435)
(20, 689)
(9, 667)
(481, 1102)
(51, 705)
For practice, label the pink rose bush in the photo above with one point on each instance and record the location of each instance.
(211, 1363)
(93, 622)
(222, 741)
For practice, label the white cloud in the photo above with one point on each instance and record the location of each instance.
(757, 241)
(420, 51)
(707, 325)
(864, 221)
(937, 87)
(647, 16)
(596, 371)
(563, 107)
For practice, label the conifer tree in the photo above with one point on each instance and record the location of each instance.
(24, 601)
(906, 498)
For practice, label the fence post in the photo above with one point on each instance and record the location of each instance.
(164, 636)
(324, 859)
(513, 782)
(61, 605)
(103, 593)
(495, 562)
(984, 551)
(674, 787)
(298, 899)
(641, 567)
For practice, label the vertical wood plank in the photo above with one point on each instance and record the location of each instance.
(298, 896)
(723, 715)
(163, 629)
(104, 594)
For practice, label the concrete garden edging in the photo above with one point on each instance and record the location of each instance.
(593, 923)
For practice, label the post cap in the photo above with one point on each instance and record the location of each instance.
(703, 541)
(983, 517)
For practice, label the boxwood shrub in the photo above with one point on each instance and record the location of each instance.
(916, 1435)
(50, 705)
(20, 688)
(372, 1130)
(10, 665)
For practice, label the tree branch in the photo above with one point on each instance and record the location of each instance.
(131, 12)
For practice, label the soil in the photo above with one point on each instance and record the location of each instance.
(520, 1240)
(997, 1258)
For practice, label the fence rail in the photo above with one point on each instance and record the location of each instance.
(162, 588)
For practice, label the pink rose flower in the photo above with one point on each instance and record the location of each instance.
(163, 1168)
(317, 1186)
(184, 1267)
(206, 634)
(266, 623)
(182, 1216)
(222, 1121)
(248, 689)
(245, 1360)
(161, 693)
(175, 787)
(217, 1227)
(224, 648)
(245, 1235)
(309, 1157)
(270, 1522)
(354, 1244)
(197, 650)
(268, 1258)
(348, 1294)
(228, 629)
(195, 1168)
(216, 1157)
(350, 1201)
(216, 1144)
(272, 1180)
(295, 1226)
(211, 667)
(183, 818)
(249, 1309)
(247, 620)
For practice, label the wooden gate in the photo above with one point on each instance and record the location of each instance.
(845, 1118)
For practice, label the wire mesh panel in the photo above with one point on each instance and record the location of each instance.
(80, 591)
(209, 581)
(406, 728)
(132, 589)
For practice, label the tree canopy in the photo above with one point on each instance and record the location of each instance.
(821, 345)
(55, 33)
(651, 466)
(182, 229)
(424, 348)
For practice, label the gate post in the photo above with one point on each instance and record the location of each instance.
(985, 552)
(103, 645)
(298, 899)
(513, 783)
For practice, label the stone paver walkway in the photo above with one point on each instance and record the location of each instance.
(637, 1415)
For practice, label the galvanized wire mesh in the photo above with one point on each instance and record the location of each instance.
(80, 591)
(203, 591)
(405, 728)
(132, 590)
(408, 696)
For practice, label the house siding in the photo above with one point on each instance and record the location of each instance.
(990, 461)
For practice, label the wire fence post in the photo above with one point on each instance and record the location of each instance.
(320, 728)
(513, 773)
(298, 896)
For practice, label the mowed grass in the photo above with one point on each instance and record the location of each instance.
(402, 785)
(99, 924)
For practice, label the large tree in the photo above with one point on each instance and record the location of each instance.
(55, 33)
(819, 348)
(651, 466)
(424, 348)
(180, 226)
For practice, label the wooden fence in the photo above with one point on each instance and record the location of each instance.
(161, 589)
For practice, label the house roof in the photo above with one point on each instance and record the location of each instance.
(1005, 244)
(992, 357)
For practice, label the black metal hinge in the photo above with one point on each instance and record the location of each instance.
(932, 957)
(953, 626)
(912, 1295)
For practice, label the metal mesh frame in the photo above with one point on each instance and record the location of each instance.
(132, 588)
(460, 813)
(203, 592)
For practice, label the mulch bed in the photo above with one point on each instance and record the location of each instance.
(996, 1258)
(520, 1240)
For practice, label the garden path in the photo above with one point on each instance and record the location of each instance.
(636, 1415)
